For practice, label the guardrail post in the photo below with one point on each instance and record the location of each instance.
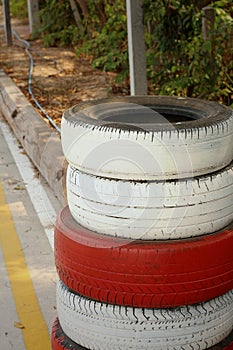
(7, 21)
(136, 47)
(207, 21)
(33, 15)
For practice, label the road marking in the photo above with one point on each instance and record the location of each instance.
(35, 332)
(37, 194)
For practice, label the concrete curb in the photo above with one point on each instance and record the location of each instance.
(40, 142)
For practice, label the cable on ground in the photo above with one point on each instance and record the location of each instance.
(27, 50)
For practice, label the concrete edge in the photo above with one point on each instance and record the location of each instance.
(41, 143)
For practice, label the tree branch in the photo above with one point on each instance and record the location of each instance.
(83, 6)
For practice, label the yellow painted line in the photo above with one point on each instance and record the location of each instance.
(35, 331)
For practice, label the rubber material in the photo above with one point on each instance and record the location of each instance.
(148, 137)
(60, 341)
(101, 326)
(152, 210)
(142, 273)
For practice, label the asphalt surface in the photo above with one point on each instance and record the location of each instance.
(28, 210)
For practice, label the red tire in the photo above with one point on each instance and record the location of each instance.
(60, 341)
(150, 274)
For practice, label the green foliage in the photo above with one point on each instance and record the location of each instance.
(103, 36)
(18, 8)
(179, 60)
(57, 23)
(107, 43)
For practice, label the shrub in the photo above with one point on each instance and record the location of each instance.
(57, 23)
(179, 60)
(18, 8)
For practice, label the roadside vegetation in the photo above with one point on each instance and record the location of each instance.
(18, 8)
(180, 61)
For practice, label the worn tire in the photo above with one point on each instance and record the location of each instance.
(148, 137)
(142, 273)
(60, 341)
(101, 326)
(152, 210)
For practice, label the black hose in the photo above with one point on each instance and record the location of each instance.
(27, 50)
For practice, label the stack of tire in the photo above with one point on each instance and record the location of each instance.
(144, 249)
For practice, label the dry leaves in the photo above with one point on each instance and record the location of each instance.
(18, 325)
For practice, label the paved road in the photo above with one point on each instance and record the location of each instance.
(28, 277)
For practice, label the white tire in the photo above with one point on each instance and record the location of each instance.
(148, 137)
(151, 210)
(100, 326)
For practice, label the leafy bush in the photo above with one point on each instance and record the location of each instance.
(57, 23)
(107, 43)
(179, 60)
(18, 8)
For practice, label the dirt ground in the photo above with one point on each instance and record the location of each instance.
(60, 79)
